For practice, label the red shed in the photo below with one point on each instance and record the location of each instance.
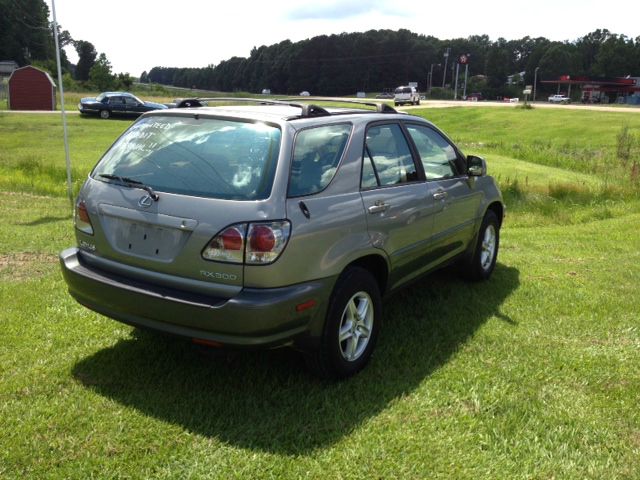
(31, 89)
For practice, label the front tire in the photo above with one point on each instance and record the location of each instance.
(351, 326)
(105, 114)
(481, 263)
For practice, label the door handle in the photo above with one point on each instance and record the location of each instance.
(440, 195)
(378, 207)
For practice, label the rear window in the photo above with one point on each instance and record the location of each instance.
(201, 157)
(403, 90)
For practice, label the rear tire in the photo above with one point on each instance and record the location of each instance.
(351, 327)
(481, 263)
(105, 114)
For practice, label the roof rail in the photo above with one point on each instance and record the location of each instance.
(307, 109)
(380, 107)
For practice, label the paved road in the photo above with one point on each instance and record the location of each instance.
(446, 104)
(454, 103)
(57, 112)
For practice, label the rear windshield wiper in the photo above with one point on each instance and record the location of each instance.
(130, 182)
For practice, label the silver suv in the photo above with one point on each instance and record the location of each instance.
(277, 224)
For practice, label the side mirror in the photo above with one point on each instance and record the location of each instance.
(476, 166)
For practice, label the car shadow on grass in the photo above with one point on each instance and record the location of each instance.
(267, 400)
(44, 220)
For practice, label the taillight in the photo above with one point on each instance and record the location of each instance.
(227, 246)
(266, 241)
(82, 220)
(253, 243)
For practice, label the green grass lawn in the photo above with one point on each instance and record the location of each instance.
(533, 374)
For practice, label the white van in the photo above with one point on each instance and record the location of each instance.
(404, 95)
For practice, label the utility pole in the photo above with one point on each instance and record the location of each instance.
(535, 82)
(466, 75)
(446, 59)
(431, 77)
(455, 92)
(64, 113)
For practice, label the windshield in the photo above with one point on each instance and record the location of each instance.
(201, 157)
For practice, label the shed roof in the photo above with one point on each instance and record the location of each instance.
(53, 84)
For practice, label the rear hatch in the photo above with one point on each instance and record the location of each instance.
(168, 186)
(402, 94)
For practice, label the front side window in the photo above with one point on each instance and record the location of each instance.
(438, 156)
(387, 158)
(202, 157)
(315, 158)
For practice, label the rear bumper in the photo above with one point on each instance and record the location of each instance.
(254, 317)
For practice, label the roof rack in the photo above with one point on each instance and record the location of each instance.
(307, 109)
(380, 107)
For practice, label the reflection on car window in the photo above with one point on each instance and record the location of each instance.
(316, 157)
(387, 158)
(202, 157)
(437, 155)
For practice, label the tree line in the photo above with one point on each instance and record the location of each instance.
(341, 64)
(27, 37)
(381, 59)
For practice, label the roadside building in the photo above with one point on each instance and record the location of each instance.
(31, 89)
(6, 69)
(601, 90)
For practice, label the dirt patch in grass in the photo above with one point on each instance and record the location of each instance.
(25, 265)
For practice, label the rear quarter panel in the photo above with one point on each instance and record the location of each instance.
(334, 235)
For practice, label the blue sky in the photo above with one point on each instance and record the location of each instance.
(138, 35)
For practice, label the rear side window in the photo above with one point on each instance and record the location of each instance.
(201, 157)
(438, 156)
(387, 158)
(316, 156)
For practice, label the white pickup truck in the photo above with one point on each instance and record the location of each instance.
(559, 99)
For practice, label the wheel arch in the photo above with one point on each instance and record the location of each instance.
(498, 209)
(376, 265)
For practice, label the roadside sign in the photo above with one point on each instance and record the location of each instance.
(413, 84)
(463, 59)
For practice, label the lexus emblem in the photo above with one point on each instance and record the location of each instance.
(146, 201)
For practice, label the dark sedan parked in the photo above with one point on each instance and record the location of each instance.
(116, 103)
